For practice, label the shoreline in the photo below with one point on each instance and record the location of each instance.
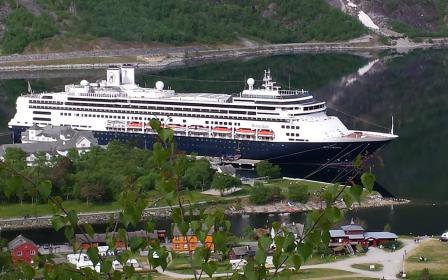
(39, 222)
(286, 208)
(161, 59)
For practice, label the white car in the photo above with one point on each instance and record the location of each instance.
(444, 237)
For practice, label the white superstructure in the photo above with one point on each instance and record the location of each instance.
(118, 104)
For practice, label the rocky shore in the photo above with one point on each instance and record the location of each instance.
(164, 212)
(289, 207)
(166, 58)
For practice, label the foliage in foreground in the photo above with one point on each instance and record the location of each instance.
(170, 169)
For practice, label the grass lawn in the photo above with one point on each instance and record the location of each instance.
(10, 210)
(366, 266)
(284, 184)
(436, 253)
(312, 273)
(181, 264)
(20, 210)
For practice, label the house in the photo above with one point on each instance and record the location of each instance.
(354, 235)
(189, 243)
(100, 239)
(22, 249)
(51, 141)
(242, 252)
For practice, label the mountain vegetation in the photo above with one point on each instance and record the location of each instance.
(178, 21)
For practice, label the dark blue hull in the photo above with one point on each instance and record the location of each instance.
(297, 153)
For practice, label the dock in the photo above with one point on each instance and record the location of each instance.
(235, 162)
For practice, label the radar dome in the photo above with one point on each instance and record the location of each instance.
(160, 85)
(84, 83)
(250, 81)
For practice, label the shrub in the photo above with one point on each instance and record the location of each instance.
(298, 193)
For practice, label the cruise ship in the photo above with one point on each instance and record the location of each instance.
(261, 122)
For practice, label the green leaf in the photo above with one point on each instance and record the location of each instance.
(72, 218)
(368, 180)
(69, 232)
(57, 222)
(89, 229)
(210, 268)
(260, 257)
(92, 252)
(219, 240)
(136, 243)
(297, 261)
(44, 188)
(358, 161)
(265, 242)
(288, 244)
(176, 216)
(356, 192)
(305, 250)
(348, 199)
(333, 214)
(150, 226)
(106, 266)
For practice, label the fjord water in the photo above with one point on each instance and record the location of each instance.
(363, 91)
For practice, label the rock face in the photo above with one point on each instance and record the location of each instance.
(427, 16)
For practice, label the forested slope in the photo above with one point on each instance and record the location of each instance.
(173, 21)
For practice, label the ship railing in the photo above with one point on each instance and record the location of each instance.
(282, 94)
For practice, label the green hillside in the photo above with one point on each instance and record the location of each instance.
(176, 22)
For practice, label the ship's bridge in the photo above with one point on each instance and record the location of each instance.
(270, 90)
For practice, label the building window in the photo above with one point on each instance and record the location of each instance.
(32, 252)
(185, 246)
(19, 253)
(177, 246)
(177, 238)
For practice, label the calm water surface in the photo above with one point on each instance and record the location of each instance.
(364, 92)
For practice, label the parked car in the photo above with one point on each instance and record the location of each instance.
(444, 237)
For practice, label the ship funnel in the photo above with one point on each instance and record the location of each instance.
(127, 75)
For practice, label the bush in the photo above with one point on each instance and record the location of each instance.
(262, 194)
(267, 169)
(298, 194)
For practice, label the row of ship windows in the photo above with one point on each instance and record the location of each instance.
(160, 113)
(292, 134)
(305, 108)
(290, 127)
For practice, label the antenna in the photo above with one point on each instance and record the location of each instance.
(392, 127)
(30, 90)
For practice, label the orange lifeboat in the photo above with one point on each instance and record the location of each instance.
(220, 129)
(266, 133)
(135, 125)
(198, 129)
(245, 131)
(177, 127)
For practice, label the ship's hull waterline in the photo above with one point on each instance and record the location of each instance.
(300, 153)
